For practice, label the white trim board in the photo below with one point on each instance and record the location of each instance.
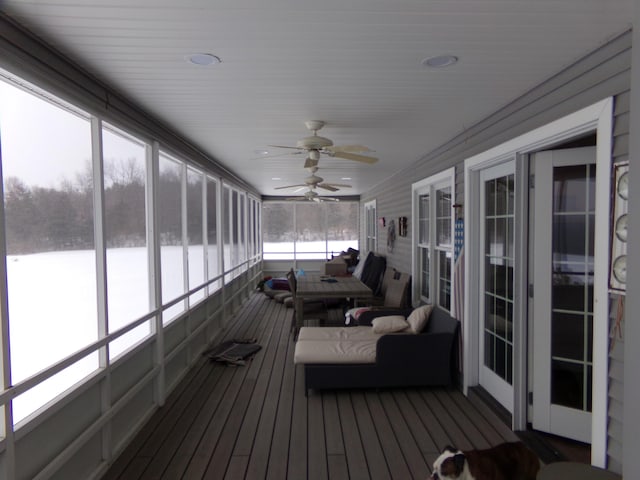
(599, 118)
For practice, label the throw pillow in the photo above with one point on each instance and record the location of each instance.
(418, 319)
(390, 324)
(354, 313)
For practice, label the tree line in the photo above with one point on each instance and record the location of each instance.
(40, 219)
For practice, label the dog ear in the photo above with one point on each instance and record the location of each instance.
(459, 460)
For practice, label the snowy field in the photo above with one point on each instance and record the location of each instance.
(53, 305)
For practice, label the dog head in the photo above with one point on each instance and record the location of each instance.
(449, 465)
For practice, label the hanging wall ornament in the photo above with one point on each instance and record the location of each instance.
(391, 236)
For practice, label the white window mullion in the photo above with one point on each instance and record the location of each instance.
(6, 426)
(154, 265)
(101, 277)
(205, 236)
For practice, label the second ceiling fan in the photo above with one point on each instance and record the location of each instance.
(315, 145)
(314, 181)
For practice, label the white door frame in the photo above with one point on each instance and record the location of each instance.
(599, 118)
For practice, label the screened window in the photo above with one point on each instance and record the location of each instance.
(49, 231)
(125, 232)
(213, 261)
(195, 232)
(433, 246)
(170, 226)
(370, 226)
(308, 230)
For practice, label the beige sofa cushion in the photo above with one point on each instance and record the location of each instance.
(337, 333)
(339, 351)
(389, 324)
(418, 319)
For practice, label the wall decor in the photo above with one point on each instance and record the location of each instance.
(382, 222)
(402, 226)
(618, 256)
(391, 236)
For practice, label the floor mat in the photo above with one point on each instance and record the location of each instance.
(233, 352)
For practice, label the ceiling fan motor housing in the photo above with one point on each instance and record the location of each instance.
(314, 142)
(313, 180)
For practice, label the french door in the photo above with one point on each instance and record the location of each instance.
(496, 299)
(562, 269)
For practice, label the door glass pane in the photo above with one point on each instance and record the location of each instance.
(443, 218)
(424, 274)
(423, 219)
(498, 276)
(444, 279)
(572, 285)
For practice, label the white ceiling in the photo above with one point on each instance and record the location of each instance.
(355, 64)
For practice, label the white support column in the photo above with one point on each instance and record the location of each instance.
(6, 425)
(100, 245)
(153, 251)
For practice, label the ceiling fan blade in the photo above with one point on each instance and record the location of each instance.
(286, 146)
(310, 163)
(291, 186)
(338, 185)
(349, 148)
(326, 186)
(277, 155)
(354, 157)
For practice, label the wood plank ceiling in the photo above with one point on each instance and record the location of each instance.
(355, 64)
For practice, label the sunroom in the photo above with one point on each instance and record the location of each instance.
(143, 202)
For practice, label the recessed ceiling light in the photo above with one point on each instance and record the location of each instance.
(203, 59)
(276, 178)
(345, 178)
(440, 61)
(261, 152)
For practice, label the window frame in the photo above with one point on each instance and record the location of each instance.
(430, 187)
(370, 226)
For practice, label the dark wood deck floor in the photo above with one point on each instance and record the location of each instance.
(255, 422)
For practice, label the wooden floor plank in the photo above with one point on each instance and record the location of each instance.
(262, 444)
(420, 433)
(225, 446)
(356, 459)
(255, 421)
(298, 443)
(338, 469)
(456, 435)
(279, 454)
(408, 445)
(393, 453)
(373, 450)
(333, 428)
(471, 431)
(317, 453)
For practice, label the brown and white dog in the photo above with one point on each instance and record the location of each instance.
(507, 461)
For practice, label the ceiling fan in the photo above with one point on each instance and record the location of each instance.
(314, 181)
(315, 145)
(312, 196)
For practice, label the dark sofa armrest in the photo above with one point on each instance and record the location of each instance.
(408, 351)
(366, 317)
